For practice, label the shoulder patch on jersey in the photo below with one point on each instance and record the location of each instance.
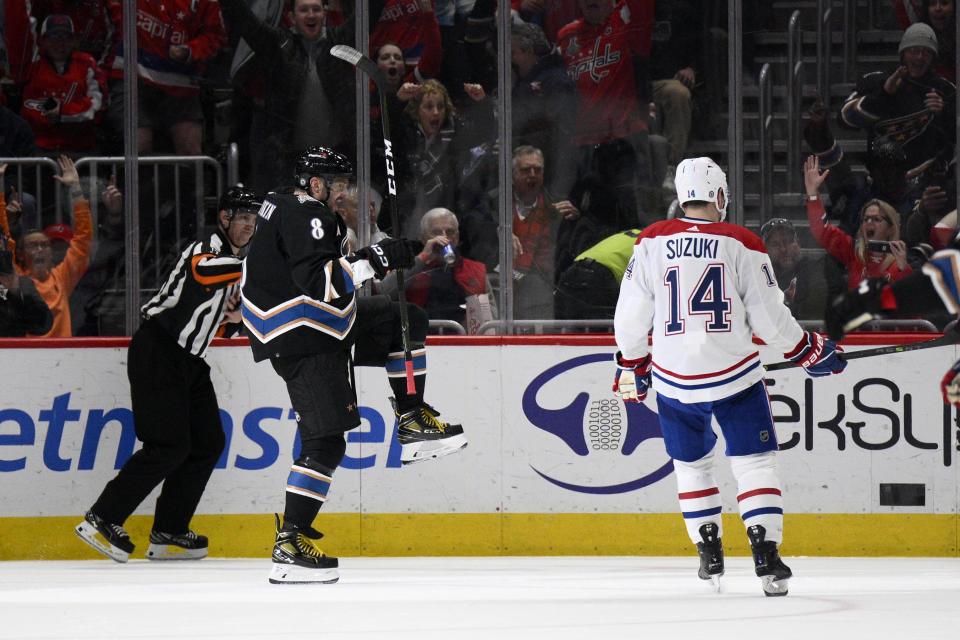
(266, 209)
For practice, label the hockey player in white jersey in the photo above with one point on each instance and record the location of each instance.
(705, 288)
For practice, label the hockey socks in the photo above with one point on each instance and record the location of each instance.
(699, 496)
(396, 375)
(758, 493)
(307, 487)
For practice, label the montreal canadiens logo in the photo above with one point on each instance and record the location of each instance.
(597, 443)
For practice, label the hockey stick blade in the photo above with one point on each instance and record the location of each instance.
(949, 338)
(364, 63)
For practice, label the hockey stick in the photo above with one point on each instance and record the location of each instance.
(949, 338)
(370, 68)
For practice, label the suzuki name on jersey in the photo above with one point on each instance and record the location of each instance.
(692, 248)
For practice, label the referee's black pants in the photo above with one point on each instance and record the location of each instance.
(176, 416)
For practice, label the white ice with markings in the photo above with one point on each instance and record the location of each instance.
(583, 598)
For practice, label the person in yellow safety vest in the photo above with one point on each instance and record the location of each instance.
(588, 288)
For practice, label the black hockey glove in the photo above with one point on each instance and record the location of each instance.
(858, 306)
(389, 254)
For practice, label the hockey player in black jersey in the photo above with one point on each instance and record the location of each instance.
(302, 313)
(175, 410)
(935, 288)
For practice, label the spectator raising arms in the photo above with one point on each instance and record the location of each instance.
(436, 138)
(912, 105)
(22, 310)
(879, 228)
(309, 96)
(35, 255)
(64, 94)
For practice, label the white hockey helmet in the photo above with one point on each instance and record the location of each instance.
(702, 179)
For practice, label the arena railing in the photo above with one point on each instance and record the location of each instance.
(892, 325)
(446, 327)
(824, 47)
(40, 178)
(766, 142)
(900, 324)
(794, 95)
(545, 326)
(178, 202)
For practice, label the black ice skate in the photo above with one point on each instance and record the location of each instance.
(111, 540)
(766, 559)
(298, 560)
(711, 554)
(422, 436)
(177, 546)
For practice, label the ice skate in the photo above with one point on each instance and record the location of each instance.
(711, 554)
(298, 560)
(766, 559)
(111, 540)
(422, 436)
(179, 546)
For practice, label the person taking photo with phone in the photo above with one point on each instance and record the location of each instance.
(875, 252)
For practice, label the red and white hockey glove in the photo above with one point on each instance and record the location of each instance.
(633, 378)
(951, 385)
(817, 355)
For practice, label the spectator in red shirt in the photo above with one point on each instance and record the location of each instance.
(602, 50)
(174, 39)
(879, 223)
(63, 97)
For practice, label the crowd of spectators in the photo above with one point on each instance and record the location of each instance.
(885, 222)
(605, 97)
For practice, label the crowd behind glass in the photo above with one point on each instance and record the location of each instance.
(606, 98)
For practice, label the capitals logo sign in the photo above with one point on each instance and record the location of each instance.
(601, 445)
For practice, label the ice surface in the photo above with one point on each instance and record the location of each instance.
(497, 598)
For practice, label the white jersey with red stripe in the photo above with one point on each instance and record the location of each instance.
(705, 289)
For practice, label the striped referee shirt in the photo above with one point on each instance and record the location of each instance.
(190, 304)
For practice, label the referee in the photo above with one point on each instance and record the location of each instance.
(175, 410)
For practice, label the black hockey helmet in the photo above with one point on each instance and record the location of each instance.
(240, 198)
(321, 162)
